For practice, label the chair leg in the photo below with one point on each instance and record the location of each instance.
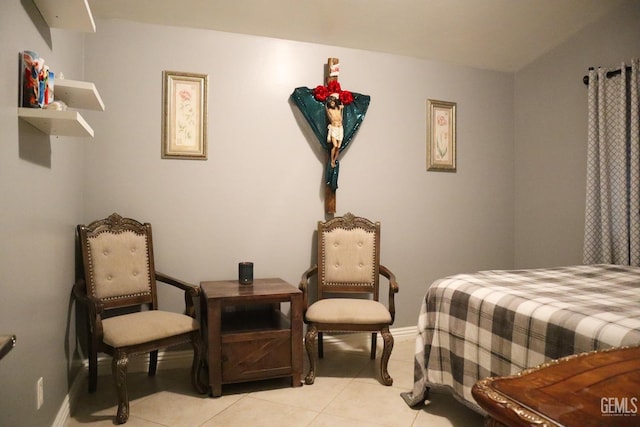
(197, 365)
(93, 366)
(153, 363)
(386, 353)
(320, 346)
(374, 345)
(119, 371)
(309, 343)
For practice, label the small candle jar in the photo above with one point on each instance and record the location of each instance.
(245, 273)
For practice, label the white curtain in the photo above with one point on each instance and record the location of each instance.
(612, 218)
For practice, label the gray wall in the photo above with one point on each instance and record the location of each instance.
(259, 195)
(551, 135)
(41, 186)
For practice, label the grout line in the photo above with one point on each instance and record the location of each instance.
(182, 359)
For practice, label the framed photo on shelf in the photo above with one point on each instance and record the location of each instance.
(441, 136)
(184, 115)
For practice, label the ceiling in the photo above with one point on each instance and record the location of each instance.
(502, 35)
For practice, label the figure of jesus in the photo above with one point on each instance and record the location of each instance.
(336, 132)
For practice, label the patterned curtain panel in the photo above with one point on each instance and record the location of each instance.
(612, 218)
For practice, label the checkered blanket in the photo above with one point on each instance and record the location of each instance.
(496, 323)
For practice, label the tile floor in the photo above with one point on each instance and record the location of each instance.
(346, 393)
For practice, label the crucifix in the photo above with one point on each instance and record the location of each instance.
(334, 116)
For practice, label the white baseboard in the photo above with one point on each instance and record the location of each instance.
(64, 413)
(176, 359)
(183, 359)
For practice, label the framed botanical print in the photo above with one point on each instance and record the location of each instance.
(441, 136)
(184, 116)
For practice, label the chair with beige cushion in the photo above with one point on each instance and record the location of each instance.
(119, 290)
(348, 273)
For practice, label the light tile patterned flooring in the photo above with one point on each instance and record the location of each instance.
(346, 392)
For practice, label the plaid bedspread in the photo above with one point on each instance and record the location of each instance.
(495, 323)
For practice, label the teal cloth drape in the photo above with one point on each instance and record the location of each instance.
(314, 112)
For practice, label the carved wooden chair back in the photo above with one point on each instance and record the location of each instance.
(118, 262)
(348, 257)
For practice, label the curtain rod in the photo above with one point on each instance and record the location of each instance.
(610, 74)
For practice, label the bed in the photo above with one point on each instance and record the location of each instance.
(499, 322)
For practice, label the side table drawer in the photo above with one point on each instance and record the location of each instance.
(256, 355)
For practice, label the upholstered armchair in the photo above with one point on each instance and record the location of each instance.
(348, 273)
(118, 288)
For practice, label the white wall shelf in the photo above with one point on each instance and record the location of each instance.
(70, 15)
(66, 123)
(78, 94)
(59, 123)
(67, 14)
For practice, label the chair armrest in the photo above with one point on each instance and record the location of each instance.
(304, 281)
(190, 291)
(393, 289)
(393, 284)
(187, 287)
(94, 306)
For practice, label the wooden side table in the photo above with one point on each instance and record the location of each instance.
(248, 337)
(600, 388)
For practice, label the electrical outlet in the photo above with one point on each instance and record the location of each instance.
(40, 392)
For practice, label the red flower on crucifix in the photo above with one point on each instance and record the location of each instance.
(321, 93)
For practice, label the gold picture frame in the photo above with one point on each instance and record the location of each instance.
(441, 136)
(184, 115)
